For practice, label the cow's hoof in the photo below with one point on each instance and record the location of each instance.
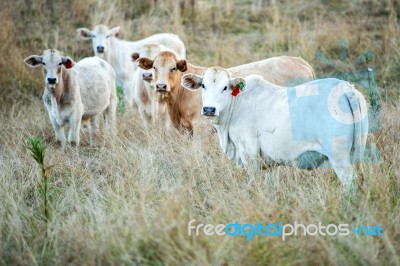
(60, 143)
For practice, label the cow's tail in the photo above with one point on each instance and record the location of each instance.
(360, 119)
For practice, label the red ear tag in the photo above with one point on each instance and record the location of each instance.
(235, 91)
(68, 64)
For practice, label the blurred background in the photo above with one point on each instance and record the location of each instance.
(330, 34)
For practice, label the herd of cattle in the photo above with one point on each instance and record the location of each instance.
(273, 109)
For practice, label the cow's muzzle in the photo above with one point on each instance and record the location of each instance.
(147, 76)
(209, 111)
(51, 81)
(161, 87)
(100, 49)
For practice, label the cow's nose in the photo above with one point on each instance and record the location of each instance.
(100, 49)
(209, 111)
(51, 80)
(161, 87)
(147, 76)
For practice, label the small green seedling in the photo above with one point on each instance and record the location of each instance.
(38, 148)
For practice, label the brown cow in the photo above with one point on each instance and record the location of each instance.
(184, 106)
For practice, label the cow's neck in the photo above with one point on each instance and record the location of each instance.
(110, 56)
(61, 88)
(179, 92)
(222, 123)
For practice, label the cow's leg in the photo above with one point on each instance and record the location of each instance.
(128, 88)
(162, 113)
(111, 117)
(185, 127)
(59, 131)
(143, 116)
(249, 152)
(74, 127)
(154, 111)
(93, 128)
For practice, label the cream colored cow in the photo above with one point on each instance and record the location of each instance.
(75, 92)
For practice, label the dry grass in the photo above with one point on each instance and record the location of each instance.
(130, 202)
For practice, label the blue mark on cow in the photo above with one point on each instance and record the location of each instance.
(312, 120)
(366, 79)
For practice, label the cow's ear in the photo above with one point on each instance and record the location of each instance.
(237, 85)
(33, 60)
(182, 65)
(84, 33)
(135, 56)
(191, 81)
(115, 31)
(67, 62)
(145, 63)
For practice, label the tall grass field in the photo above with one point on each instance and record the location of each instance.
(128, 200)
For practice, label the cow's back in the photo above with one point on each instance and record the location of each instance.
(284, 71)
(169, 40)
(96, 79)
(289, 121)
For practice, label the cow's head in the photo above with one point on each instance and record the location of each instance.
(167, 70)
(149, 51)
(218, 89)
(100, 36)
(53, 63)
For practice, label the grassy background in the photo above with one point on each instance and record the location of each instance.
(130, 202)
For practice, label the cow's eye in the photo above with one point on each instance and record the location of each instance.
(173, 69)
(155, 69)
(224, 89)
(108, 36)
(202, 85)
(43, 63)
(60, 63)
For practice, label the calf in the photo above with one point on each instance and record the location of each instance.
(302, 126)
(150, 106)
(75, 92)
(184, 106)
(118, 52)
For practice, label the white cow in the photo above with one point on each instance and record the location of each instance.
(118, 52)
(75, 92)
(151, 106)
(302, 126)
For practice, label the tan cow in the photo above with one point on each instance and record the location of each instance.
(184, 106)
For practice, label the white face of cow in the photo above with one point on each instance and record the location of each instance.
(218, 89)
(167, 70)
(150, 51)
(53, 63)
(100, 36)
